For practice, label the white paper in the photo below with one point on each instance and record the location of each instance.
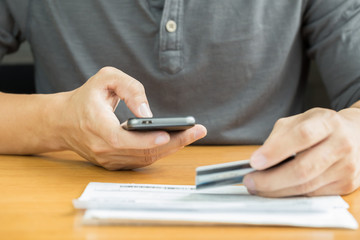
(112, 203)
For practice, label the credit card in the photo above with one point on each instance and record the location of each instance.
(222, 174)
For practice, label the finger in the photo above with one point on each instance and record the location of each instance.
(334, 188)
(135, 143)
(128, 89)
(345, 180)
(291, 136)
(177, 140)
(142, 148)
(343, 170)
(110, 136)
(300, 170)
(138, 141)
(186, 137)
(302, 189)
(124, 162)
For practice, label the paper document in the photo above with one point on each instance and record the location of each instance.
(113, 203)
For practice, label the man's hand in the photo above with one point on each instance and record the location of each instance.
(89, 126)
(327, 148)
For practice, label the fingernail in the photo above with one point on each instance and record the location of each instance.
(258, 160)
(250, 185)
(145, 110)
(161, 139)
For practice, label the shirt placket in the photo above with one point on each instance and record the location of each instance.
(171, 27)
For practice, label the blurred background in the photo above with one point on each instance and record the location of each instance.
(17, 71)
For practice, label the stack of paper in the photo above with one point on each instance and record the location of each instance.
(112, 203)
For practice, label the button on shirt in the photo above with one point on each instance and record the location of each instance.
(237, 66)
(171, 26)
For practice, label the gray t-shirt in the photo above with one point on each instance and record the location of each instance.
(236, 65)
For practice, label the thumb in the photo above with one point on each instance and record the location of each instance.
(128, 89)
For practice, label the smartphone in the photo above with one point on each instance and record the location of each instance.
(166, 124)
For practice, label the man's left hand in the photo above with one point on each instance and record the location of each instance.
(327, 162)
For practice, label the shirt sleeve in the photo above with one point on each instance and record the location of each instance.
(332, 33)
(9, 31)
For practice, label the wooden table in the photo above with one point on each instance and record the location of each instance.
(37, 193)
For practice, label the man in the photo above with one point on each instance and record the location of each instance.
(237, 66)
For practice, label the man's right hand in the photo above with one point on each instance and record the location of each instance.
(87, 124)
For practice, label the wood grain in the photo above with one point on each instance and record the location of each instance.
(37, 193)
